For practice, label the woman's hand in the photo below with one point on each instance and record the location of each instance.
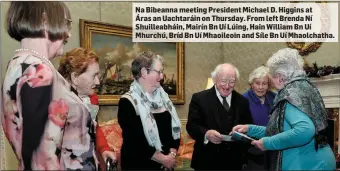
(173, 150)
(240, 129)
(169, 161)
(258, 144)
(111, 154)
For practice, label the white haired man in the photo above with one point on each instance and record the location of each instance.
(212, 113)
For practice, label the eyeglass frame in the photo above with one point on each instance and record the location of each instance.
(226, 82)
(159, 72)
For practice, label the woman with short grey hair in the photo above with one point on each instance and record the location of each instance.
(150, 125)
(259, 95)
(287, 63)
(260, 101)
(296, 135)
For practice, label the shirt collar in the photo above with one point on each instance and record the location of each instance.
(253, 96)
(228, 98)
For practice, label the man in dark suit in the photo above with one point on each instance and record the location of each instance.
(214, 112)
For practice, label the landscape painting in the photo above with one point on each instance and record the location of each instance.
(113, 44)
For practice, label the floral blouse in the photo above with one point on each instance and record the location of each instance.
(48, 126)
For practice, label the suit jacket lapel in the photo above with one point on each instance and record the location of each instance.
(234, 103)
(214, 101)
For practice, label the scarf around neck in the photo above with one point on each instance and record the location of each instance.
(145, 103)
(302, 94)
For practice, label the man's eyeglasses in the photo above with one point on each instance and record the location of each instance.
(230, 82)
(159, 72)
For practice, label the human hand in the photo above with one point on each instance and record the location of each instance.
(258, 144)
(240, 129)
(173, 152)
(169, 162)
(214, 136)
(107, 154)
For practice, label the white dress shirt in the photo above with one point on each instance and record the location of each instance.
(228, 99)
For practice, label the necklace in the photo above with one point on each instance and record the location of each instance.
(36, 53)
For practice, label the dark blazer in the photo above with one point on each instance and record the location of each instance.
(206, 112)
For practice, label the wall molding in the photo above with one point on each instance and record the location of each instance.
(3, 151)
(329, 88)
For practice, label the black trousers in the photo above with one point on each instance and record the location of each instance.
(222, 160)
(256, 159)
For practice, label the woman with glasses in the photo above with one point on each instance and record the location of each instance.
(260, 100)
(81, 69)
(148, 119)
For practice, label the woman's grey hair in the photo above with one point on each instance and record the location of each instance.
(286, 62)
(219, 68)
(144, 60)
(257, 73)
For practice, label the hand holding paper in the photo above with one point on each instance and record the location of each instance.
(240, 129)
(214, 136)
(226, 138)
(241, 137)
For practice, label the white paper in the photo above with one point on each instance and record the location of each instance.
(226, 138)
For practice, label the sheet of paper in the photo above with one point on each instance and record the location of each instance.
(226, 138)
(241, 137)
(245, 136)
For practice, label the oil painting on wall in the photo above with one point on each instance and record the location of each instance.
(116, 51)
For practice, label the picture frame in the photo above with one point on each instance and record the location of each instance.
(113, 44)
(304, 48)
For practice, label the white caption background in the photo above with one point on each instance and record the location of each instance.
(318, 22)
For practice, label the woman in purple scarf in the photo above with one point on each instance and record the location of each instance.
(260, 99)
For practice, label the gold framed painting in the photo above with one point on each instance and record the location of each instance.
(116, 51)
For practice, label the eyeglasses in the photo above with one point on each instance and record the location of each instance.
(230, 82)
(69, 23)
(159, 72)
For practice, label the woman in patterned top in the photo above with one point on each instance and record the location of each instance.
(45, 122)
(81, 69)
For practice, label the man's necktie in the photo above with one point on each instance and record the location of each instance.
(225, 103)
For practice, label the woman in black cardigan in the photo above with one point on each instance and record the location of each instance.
(149, 122)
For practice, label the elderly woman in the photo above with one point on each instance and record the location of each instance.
(260, 99)
(149, 122)
(80, 68)
(295, 136)
(259, 96)
(36, 99)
